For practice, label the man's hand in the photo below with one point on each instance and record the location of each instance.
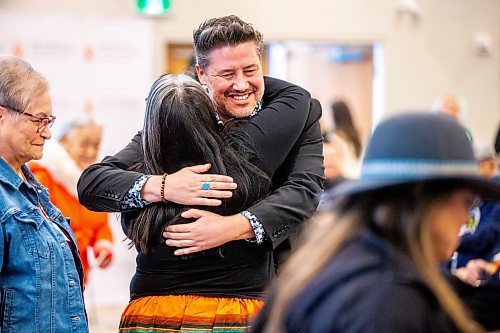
(208, 231)
(185, 187)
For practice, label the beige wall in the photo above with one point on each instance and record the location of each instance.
(350, 82)
(423, 57)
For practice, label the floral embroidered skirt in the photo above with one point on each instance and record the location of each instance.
(189, 314)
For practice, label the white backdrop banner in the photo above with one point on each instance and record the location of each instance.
(99, 66)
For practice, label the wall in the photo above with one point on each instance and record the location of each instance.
(330, 81)
(423, 57)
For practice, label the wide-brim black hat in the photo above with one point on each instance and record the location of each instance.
(417, 147)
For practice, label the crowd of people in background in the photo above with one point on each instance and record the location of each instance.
(219, 195)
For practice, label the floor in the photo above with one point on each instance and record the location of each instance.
(104, 319)
(107, 291)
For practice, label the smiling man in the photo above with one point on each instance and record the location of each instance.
(234, 79)
(279, 122)
(229, 65)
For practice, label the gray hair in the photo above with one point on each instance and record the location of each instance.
(173, 96)
(223, 31)
(77, 122)
(20, 84)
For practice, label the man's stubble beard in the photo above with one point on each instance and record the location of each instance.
(223, 112)
(220, 107)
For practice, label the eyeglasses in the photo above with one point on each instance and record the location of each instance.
(43, 122)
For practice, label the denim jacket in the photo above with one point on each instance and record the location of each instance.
(40, 273)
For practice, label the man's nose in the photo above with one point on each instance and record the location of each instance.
(240, 82)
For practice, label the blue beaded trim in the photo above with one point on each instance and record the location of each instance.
(133, 197)
(258, 229)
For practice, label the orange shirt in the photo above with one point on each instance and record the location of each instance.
(88, 226)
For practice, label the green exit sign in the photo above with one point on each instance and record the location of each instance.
(153, 7)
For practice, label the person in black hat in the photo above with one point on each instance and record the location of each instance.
(378, 243)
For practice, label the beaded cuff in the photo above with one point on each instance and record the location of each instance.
(258, 229)
(133, 197)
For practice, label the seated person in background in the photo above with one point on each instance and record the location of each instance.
(448, 104)
(333, 155)
(477, 285)
(346, 140)
(342, 149)
(473, 261)
(372, 264)
(64, 160)
(481, 238)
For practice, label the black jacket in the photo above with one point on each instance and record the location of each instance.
(369, 286)
(287, 139)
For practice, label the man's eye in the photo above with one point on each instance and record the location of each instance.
(250, 71)
(227, 75)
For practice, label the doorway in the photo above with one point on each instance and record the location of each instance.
(333, 72)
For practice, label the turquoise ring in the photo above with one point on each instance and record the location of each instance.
(205, 186)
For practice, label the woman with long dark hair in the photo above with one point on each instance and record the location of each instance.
(220, 286)
(342, 147)
(344, 126)
(377, 248)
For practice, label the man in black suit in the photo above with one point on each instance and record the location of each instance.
(228, 65)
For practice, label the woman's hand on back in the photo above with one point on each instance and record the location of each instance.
(186, 187)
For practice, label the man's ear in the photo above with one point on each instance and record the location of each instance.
(201, 75)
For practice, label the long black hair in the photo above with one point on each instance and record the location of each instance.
(401, 215)
(180, 130)
(344, 125)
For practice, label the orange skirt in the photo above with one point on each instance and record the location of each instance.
(188, 314)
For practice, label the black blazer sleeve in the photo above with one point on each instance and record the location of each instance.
(103, 185)
(298, 182)
(274, 131)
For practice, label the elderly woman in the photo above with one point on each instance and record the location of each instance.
(378, 247)
(40, 271)
(76, 147)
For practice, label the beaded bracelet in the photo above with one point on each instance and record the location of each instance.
(162, 188)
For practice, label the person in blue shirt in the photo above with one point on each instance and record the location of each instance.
(40, 271)
(479, 247)
(483, 240)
